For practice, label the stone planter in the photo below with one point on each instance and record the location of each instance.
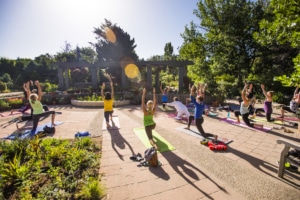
(97, 103)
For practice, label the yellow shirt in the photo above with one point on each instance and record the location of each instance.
(108, 105)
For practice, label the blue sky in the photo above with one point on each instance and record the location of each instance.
(30, 28)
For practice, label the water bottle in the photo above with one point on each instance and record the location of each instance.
(228, 114)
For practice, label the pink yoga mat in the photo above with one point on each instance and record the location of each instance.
(242, 124)
(288, 118)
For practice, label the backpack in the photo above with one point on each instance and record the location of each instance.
(49, 130)
(151, 157)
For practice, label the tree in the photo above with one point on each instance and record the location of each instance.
(114, 45)
(280, 33)
(168, 50)
(222, 46)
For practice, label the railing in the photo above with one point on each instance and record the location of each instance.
(11, 95)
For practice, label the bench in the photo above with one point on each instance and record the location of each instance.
(284, 155)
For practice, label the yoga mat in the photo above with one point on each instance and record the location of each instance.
(288, 118)
(242, 124)
(6, 114)
(167, 108)
(194, 132)
(26, 133)
(114, 124)
(260, 119)
(162, 144)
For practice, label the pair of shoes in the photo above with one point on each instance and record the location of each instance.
(138, 157)
(144, 164)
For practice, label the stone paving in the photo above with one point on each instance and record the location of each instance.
(247, 170)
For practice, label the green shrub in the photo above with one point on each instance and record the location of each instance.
(15, 103)
(4, 105)
(50, 169)
(3, 86)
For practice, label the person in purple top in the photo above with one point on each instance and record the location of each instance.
(267, 104)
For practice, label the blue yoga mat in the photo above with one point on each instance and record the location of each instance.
(26, 133)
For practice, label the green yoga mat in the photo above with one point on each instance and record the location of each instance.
(162, 144)
(260, 119)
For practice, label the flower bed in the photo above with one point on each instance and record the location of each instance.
(97, 103)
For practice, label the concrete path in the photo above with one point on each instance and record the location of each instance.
(247, 170)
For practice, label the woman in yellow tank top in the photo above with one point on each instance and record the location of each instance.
(108, 100)
(149, 111)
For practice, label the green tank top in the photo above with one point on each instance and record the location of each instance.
(148, 120)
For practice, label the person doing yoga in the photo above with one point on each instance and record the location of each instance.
(267, 104)
(294, 104)
(244, 111)
(149, 110)
(199, 108)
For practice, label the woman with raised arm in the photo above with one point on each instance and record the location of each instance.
(268, 109)
(294, 104)
(244, 111)
(108, 100)
(149, 110)
(37, 107)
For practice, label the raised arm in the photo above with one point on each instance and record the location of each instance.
(192, 91)
(154, 99)
(162, 91)
(143, 100)
(169, 88)
(244, 92)
(112, 89)
(39, 89)
(102, 91)
(27, 89)
(296, 90)
(264, 90)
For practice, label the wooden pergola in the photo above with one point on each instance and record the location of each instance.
(63, 68)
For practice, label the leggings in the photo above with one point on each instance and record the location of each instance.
(268, 115)
(287, 108)
(149, 131)
(245, 117)
(199, 125)
(37, 117)
(107, 114)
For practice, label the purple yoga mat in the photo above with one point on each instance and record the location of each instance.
(242, 124)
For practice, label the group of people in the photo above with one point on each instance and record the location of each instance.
(33, 101)
(196, 97)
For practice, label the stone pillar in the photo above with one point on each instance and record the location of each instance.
(67, 82)
(94, 77)
(157, 83)
(181, 74)
(60, 75)
(149, 77)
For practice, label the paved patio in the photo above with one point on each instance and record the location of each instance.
(247, 170)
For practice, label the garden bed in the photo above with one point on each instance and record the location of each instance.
(97, 103)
